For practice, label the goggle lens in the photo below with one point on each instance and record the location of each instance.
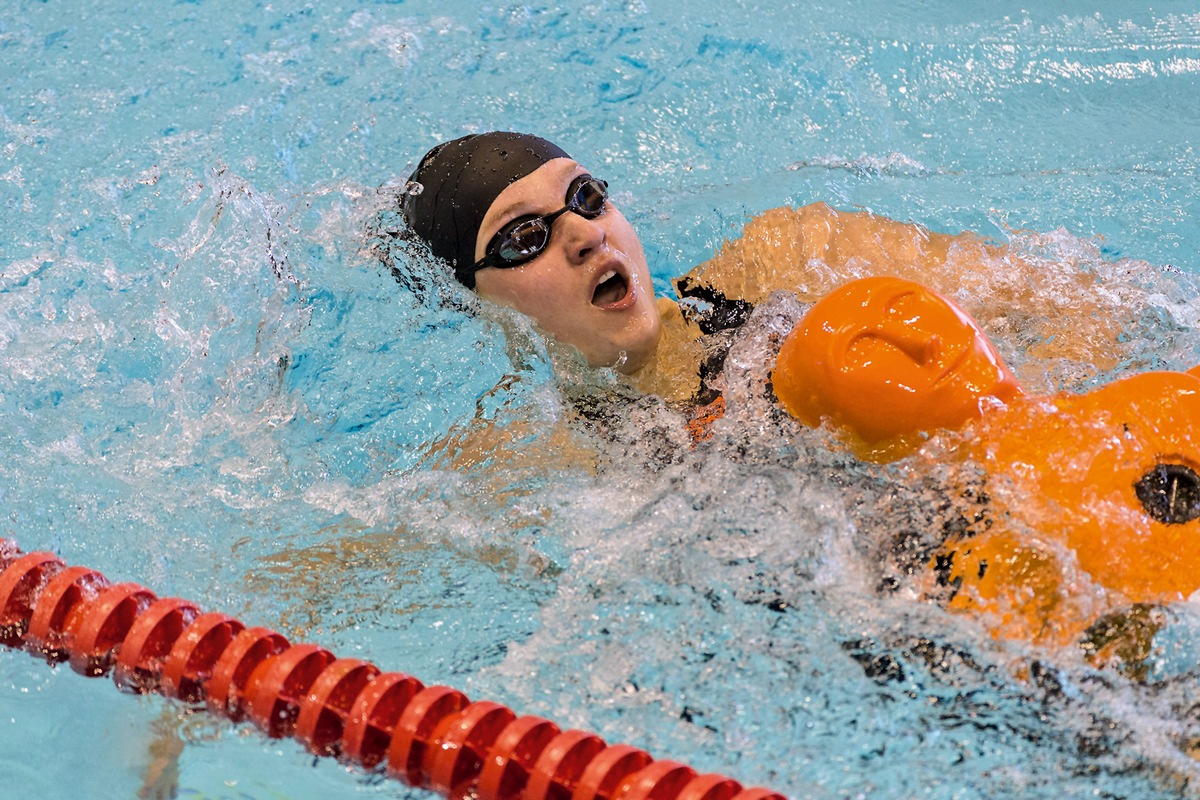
(589, 199)
(525, 240)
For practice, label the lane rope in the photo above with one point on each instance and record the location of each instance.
(433, 737)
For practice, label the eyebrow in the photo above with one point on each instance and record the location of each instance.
(512, 210)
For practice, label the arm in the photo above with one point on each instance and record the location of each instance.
(813, 249)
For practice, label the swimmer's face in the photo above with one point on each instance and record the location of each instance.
(887, 357)
(590, 287)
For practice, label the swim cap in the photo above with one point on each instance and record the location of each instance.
(459, 181)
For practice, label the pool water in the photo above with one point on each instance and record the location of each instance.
(210, 385)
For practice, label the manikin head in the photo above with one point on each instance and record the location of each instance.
(885, 359)
(526, 226)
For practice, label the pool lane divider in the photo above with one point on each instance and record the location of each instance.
(432, 737)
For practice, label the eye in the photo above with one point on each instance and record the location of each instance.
(1170, 493)
(589, 196)
(863, 350)
(522, 238)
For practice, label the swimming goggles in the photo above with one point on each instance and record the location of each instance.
(524, 239)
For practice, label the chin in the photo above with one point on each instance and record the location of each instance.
(630, 350)
(623, 359)
(632, 364)
(638, 357)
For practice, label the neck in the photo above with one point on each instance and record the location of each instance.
(673, 373)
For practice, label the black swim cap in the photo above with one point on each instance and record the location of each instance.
(459, 181)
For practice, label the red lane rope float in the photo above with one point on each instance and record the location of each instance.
(67, 592)
(226, 688)
(432, 737)
(558, 769)
(100, 630)
(189, 664)
(373, 717)
(413, 734)
(321, 723)
(143, 655)
(20, 585)
(461, 743)
(516, 748)
(279, 686)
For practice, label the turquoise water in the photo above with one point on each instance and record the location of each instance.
(209, 385)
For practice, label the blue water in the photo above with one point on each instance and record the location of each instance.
(209, 385)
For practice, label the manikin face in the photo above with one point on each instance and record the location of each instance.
(590, 287)
(886, 357)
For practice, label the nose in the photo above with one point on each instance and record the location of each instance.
(582, 236)
(904, 322)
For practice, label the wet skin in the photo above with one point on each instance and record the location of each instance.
(590, 288)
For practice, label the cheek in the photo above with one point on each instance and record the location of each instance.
(624, 237)
(496, 287)
(982, 373)
(534, 292)
(507, 294)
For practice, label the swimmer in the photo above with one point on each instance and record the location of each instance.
(528, 227)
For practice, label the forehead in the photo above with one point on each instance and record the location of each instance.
(540, 191)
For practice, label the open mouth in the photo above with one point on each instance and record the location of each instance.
(612, 289)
